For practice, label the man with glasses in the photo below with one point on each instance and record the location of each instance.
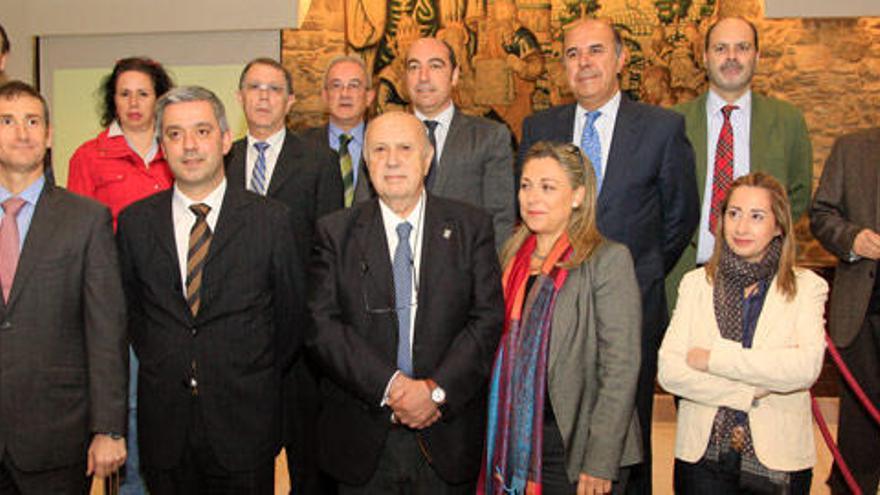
(408, 311)
(348, 93)
(274, 162)
(735, 131)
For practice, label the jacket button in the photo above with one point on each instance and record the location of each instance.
(194, 331)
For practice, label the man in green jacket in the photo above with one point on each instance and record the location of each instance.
(735, 131)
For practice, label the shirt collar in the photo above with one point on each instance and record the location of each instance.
(391, 219)
(214, 199)
(31, 193)
(356, 132)
(714, 103)
(609, 109)
(275, 140)
(444, 118)
(115, 129)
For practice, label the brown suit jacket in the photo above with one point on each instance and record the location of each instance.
(847, 201)
(64, 358)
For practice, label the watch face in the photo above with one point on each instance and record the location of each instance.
(438, 395)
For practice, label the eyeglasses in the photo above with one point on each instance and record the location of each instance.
(337, 86)
(272, 88)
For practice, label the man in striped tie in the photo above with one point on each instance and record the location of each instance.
(215, 291)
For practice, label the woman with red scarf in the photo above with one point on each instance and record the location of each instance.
(562, 395)
(744, 346)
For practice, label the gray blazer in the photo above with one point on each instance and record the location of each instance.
(846, 202)
(593, 364)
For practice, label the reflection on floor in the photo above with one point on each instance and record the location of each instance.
(663, 442)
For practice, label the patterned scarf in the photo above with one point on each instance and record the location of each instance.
(514, 435)
(734, 274)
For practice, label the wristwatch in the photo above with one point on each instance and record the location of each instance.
(438, 395)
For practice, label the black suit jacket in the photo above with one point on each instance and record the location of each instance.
(244, 337)
(649, 198)
(306, 178)
(458, 324)
(319, 136)
(63, 348)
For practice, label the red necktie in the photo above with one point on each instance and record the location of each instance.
(9, 244)
(723, 176)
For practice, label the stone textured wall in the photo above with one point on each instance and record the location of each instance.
(830, 68)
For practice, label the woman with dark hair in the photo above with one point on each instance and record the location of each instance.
(124, 163)
(562, 414)
(744, 346)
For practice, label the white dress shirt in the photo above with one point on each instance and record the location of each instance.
(184, 219)
(740, 121)
(604, 126)
(444, 120)
(275, 141)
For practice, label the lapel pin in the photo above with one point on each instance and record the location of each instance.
(447, 233)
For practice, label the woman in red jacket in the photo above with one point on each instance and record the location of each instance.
(124, 163)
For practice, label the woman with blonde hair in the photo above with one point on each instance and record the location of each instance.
(744, 346)
(562, 414)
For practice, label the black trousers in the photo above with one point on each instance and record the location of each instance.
(200, 473)
(641, 475)
(67, 480)
(302, 400)
(858, 434)
(704, 477)
(404, 470)
(554, 479)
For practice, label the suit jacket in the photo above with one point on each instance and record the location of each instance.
(779, 145)
(476, 167)
(64, 359)
(593, 390)
(318, 137)
(243, 338)
(785, 358)
(457, 327)
(306, 178)
(847, 201)
(649, 196)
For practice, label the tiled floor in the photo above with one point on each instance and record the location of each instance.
(663, 441)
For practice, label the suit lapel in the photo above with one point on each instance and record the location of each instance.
(284, 164)
(235, 167)
(762, 120)
(228, 222)
(38, 241)
(565, 322)
(564, 125)
(161, 225)
(625, 138)
(369, 234)
(699, 140)
(449, 157)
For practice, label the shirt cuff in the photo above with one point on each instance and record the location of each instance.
(388, 389)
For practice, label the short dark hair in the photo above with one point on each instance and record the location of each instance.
(712, 28)
(16, 89)
(5, 46)
(452, 60)
(271, 63)
(152, 69)
(185, 94)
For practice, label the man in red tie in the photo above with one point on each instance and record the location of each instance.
(63, 365)
(735, 131)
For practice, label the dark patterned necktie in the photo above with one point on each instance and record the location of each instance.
(723, 175)
(432, 137)
(199, 242)
(346, 169)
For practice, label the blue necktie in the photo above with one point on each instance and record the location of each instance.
(402, 267)
(258, 179)
(592, 147)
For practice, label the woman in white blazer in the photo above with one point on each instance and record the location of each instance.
(743, 348)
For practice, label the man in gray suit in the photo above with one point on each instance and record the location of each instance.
(473, 157)
(845, 219)
(64, 359)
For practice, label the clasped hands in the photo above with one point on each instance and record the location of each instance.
(105, 456)
(410, 401)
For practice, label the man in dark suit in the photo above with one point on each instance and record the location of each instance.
(64, 362)
(408, 310)
(348, 92)
(644, 167)
(473, 158)
(216, 301)
(304, 175)
(845, 219)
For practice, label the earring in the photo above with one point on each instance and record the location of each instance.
(575, 206)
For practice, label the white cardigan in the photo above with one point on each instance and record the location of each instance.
(785, 358)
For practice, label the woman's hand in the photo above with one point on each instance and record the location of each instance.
(588, 485)
(698, 358)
